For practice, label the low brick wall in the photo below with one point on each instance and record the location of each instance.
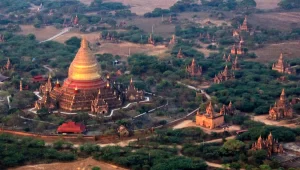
(77, 138)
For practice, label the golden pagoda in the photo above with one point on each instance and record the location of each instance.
(81, 90)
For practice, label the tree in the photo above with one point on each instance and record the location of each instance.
(74, 41)
(248, 3)
(232, 146)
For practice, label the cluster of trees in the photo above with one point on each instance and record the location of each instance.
(157, 12)
(255, 88)
(255, 130)
(233, 154)
(16, 151)
(226, 5)
(289, 4)
(146, 158)
(133, 34)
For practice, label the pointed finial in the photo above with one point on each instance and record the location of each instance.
(84, 42)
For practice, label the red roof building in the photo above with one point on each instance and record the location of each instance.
(71, 127)
(39, 79)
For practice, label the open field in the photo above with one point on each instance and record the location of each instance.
(271, 52)
(267, 4)
(278, 20)
(121, 49)
(87, 2)
(85, 164)
(141, 7)
(159, 28)
(265, 120)
(203, 17)
(40, 33)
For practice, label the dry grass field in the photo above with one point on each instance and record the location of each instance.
(141, 7)
(87, 2)
(40, 33)
(267, 4)
(271, 52)
(121, 49)
(282, 21)
(85, 164)
(160, 28)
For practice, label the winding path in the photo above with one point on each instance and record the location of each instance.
(196, 89)
(65, 30)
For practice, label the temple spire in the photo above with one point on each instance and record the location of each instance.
(282, 96)
(210, 109)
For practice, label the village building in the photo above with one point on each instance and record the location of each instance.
(281, 66)
(71, 127)
(38, 79)
(194, 70)
(133, 94)
(224, 76)
(84, 89)
(209, 119)
(270, 145)
(281, 109)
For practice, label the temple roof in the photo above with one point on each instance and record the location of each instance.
(84, 67)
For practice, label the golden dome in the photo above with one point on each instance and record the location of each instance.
(84, 67)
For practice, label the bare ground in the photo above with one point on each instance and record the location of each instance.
(159, 28)
(204, 17)
(278, 20)
(267, 4)
(122, 49)
(141, 7)
(40, 33)
(272, 52)
(263, 118)
(84, 164)
(190, 123)
(87, 2)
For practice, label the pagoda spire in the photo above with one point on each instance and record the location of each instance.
(84, 67)
(210, 109)
(282, 96)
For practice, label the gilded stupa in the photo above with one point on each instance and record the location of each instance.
(84, 89)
